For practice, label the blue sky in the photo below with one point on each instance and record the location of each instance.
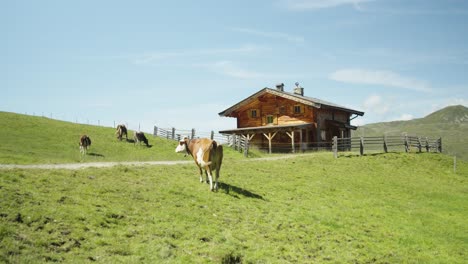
(180, 63)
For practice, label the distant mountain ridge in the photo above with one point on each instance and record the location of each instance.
(449, 123)
(450, 114)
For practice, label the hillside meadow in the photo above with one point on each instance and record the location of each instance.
(450, 124)
(303, 208)
(381, 208)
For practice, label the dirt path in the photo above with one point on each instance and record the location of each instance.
(77, 166)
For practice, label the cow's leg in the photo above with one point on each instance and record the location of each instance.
(210, 177)
(201, 173)
(216, 179)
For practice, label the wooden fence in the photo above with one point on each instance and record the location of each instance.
(385, 144)
(238, 143)
(179, 134)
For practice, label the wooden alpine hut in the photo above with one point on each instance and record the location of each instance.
(287, 121)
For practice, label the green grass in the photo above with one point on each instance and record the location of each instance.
(386, 208)
(36, 140)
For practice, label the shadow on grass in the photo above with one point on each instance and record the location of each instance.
(238, 191)
(354, 155)
(133, 141)
(95, 154)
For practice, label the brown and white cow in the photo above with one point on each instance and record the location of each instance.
(120, 131)
(139, 137)
(207, 155)
(85, 142)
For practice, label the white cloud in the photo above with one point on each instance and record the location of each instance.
(321, 4)
(375, 104)
(151, 57)
(405, 117)
(384, 78)
(274, 35)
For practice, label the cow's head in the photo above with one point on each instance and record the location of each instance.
(182, 145)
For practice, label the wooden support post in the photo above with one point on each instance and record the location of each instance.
(300, 141)
(173, 133)
(291, 136)
(155, 131)
(335, 147)
(427, 145)
(385, 148)
(193, 133)
(270, 137)
(419, 145)
(440, 145)
(361, 146)
(212, 135)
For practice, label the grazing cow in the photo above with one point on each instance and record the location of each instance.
(207, 155)
(120, 131)
(138, 137)
(85, 142)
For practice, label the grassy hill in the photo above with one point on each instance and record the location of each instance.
(33, 140)
(450, 123)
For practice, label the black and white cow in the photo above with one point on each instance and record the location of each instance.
(120, 131)
(139, 137)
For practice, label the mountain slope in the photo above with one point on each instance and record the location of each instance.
(450, 123)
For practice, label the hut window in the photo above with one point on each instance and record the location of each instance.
(253, 113)
(269, 119)
(297, 109)
(282, 110)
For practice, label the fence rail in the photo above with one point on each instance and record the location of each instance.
(385, 143)
(179, 134)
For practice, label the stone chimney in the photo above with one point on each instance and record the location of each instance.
(298, 90)
(280, 87)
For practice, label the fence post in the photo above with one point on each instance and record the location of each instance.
(440, 145)
(234, 141)
(212, 135)
(155, 131)
(173, 133)
(427, 145)
(406, 143)
(419, 145)
(246, 148)
(385, 147)
(193, 133)
(335, 147)
(361, 146)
